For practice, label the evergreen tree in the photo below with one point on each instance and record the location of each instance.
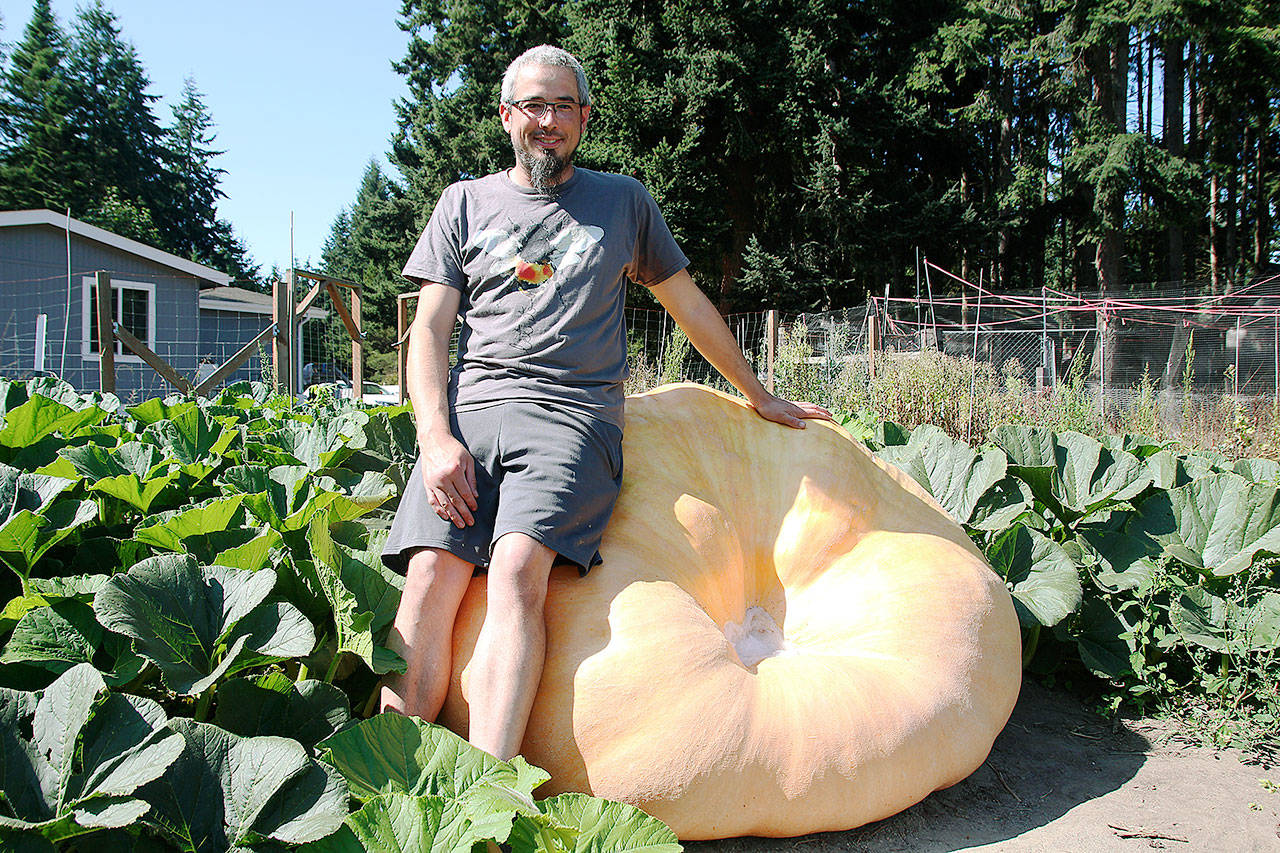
(457, 52)
(366, 245)
(36, 104)
(119, 138)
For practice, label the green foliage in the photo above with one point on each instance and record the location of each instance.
(183, 566)
(78, 130)
(421, 785)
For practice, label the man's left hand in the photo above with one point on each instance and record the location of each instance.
(790, 414)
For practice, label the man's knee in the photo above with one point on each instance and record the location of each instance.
(433, 568)
(520, 571)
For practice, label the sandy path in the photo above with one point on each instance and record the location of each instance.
(1061, 779)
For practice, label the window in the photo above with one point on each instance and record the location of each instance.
(132, 306)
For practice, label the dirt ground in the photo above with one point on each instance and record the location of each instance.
(1061, 778)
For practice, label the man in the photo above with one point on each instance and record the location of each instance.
(520, 445)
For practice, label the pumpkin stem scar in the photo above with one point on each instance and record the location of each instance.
(757, 637)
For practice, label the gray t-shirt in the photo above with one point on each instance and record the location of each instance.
(543, 285)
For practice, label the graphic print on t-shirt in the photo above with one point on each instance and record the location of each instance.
(532, 255)
(526, 258)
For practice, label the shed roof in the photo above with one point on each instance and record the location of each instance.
(12, 218)
(243, 301)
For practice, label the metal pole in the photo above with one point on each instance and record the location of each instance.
(1102, 361)
(1235, 374)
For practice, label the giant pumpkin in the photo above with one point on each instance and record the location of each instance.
(786, 635)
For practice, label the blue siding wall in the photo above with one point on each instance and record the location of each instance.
(33, 280)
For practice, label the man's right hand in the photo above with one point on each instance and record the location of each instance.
(449, 473)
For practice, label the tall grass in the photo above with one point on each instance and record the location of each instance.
(969, 398)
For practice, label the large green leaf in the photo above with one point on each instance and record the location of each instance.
(1258, 470)
(1218, 523)
(307, 711)
(34, 518)
(1072, 474)
(225, 791)
(391, 753)
(60, 635)
(603, 825)
(959, 476)
(362, 598)
(1041, 576)
(193, 621)
(400, 823)
(133, 472)
(323, 444)
(40, 417)
(90, 751)
(1101, 637)
(172, 530)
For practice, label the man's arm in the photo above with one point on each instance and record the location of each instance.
(707, 331)
(448, 471)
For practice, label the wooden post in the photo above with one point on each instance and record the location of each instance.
(357, 348)
(402, 349)
(106, 333)
(282, 316)
(770, 346)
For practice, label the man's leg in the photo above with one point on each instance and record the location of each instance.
(506, 666)
(422, 632)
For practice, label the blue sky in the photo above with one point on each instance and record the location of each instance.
(301, 95)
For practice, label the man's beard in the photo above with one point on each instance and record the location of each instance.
(545, 170)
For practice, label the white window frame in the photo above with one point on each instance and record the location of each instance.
(118, 286)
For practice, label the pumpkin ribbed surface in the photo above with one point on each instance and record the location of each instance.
(874, 655)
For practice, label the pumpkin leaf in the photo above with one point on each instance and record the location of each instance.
(173, 530)
(90, 751)
(605, 825)
(225, 791)
(33, 518)
(391, 753)
(1100, 634)
(1219, 523)
(64, 633)
(1214, 623)
(396, 823)
(959, 476)
(1041, 576)
(1258, 470)
(1074, 475)
(363, 599)
(40, 417)
(193, 621)
(307, 711)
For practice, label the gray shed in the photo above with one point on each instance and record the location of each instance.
(47, 266)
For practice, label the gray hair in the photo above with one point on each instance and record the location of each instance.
(545, 54)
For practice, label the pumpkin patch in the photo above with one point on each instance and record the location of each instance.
(786, 636)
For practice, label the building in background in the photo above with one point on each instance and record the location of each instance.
(187, 313)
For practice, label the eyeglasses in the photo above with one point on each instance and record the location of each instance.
(537, 109)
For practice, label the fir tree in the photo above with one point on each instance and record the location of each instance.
(119, 139)
(36, 104)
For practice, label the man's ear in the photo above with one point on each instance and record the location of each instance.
(504, 113)
(586, 114)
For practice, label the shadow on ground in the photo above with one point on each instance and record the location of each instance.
(1051, 757)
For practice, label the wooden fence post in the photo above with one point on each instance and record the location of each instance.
(106, 333)
(282, 316)
(357, 348)
(402, 350)
(770, 346)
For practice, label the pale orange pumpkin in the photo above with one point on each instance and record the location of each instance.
(877, 655)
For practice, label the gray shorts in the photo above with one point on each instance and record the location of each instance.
(550, 471)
